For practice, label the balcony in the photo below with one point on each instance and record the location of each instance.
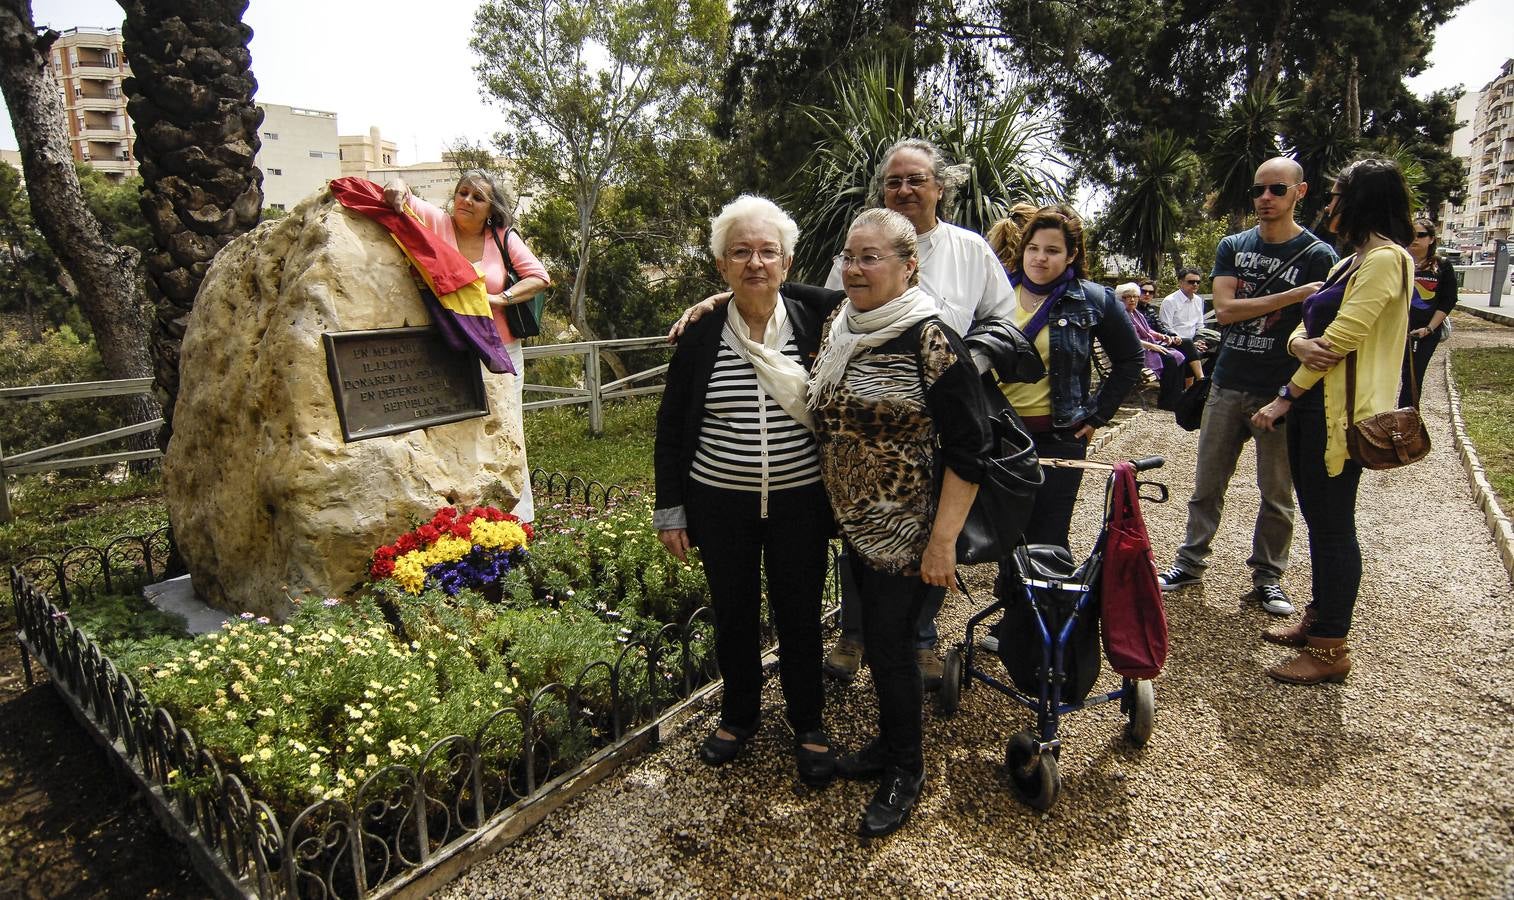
(110, 103)
(104, 133)
(92, 69)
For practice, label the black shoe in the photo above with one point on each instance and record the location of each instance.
(816, 767)
(892, 802)
(865, 764)
(717, 751)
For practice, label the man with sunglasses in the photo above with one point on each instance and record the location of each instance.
(1261, 277)
(1182, 311)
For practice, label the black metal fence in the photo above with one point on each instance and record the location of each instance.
(403, 817)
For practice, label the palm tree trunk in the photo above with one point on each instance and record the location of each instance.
(197, 135)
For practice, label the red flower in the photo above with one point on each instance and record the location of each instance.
(388, 551)
(428, 534)
(493, 514)
(381, 568)
(460, 530)
(407, 542)
(530, 532)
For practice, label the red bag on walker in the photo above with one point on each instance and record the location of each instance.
(1134, 620)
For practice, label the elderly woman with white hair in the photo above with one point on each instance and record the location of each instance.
(738, 476)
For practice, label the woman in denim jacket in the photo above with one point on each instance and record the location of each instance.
(1063, 315)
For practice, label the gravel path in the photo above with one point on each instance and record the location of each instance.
(1395, 784)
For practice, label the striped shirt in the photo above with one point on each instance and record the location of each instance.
(746, 441)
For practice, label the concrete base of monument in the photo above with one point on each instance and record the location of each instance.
(177, 596)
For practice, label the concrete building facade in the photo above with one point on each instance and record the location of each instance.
(1486, 145)
(363, 153)
(88, 65)
(299, 153)
(435, 181)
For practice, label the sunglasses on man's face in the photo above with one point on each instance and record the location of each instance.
(1277, 190)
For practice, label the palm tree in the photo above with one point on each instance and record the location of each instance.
(1004, 154)
(1246, 136)
(1148, 207)
(190, 97)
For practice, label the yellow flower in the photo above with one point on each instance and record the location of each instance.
(315, 769)
(372, 760)
(265, 754)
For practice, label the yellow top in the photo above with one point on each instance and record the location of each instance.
(1373, 321)
(1032, 399)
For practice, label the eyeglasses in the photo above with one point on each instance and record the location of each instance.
(1190, 281)
(865, 261)
(1148, 293)
(916, 182)
(1277, 190)
(1420, 234)
(743, 255)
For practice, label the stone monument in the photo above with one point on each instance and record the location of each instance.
(317, 418)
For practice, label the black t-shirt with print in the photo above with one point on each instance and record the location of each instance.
(1253, 354)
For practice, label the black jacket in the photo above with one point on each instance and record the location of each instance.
(682, 411)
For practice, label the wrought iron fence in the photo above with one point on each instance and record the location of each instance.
(402, 818)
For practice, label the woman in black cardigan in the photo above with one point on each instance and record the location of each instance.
(738, 476)
(1433, 300)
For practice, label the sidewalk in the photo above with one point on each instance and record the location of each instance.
(1477, 305)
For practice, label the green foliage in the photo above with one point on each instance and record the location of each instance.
(1245, 136)
(30, 276)
(558, 440)
(1485, 377)
(1009, 151)
(1149, 205)
(610, 99)
(59, 357)
(124, 621)
(54, 512)
(116, 205)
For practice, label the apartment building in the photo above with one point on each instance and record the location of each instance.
(299, 153)
(88, 64)
(362, 153)
(435, 181)
(1488, 212)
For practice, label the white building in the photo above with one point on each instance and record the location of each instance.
(299, 153)
(1486, 146)
(88, 65)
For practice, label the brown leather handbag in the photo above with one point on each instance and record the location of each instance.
(1389, 439)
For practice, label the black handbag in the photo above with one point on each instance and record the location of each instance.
(1189, 410)
(1011, 475)
(524, 318)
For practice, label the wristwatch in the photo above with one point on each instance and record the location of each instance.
(508, 296)
(1283, 394)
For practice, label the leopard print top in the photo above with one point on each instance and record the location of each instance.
(877, 448)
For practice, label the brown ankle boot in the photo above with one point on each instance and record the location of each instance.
(1322, 659)
(1294, 635)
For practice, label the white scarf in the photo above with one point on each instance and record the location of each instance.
(780, 377)
(853, 331)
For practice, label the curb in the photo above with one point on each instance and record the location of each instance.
(1498, 316)
(1107, 436)
(1482, 492)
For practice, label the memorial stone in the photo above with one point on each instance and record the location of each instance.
(318, 416)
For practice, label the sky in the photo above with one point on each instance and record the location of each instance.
(406, 66)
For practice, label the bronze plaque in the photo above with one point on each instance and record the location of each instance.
(392, 380)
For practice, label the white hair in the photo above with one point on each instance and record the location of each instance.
(1129, 287)
(752, 210)
(897, 230)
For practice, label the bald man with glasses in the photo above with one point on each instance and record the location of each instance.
(1261, 277)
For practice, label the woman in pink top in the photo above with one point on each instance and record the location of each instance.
(479, 224)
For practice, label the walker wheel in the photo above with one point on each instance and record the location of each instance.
(1143, 711)
(949, 695)
(1033, 773)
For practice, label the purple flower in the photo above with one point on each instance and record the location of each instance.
(247, 615)
(330, 602)
(262, 620)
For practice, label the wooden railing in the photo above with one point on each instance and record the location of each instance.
(594, 393)
(46, 459)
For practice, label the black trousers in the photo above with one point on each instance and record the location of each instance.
(1051, 515)
(890, 607)
(1329, 508)
(1424, 348)
(737, 545)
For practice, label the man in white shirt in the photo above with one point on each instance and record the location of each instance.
(1182, 311)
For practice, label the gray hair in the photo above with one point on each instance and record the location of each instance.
(898, 230)
(501, 201)
(950, 177)
(755, 210)
(1129, 287)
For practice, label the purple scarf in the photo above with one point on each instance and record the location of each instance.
(1321, 307)
(1057, 289)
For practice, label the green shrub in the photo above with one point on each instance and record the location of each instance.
(60, 357)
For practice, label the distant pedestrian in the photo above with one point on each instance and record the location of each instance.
(1182, 311)
(1261, 276)
(1363, 310)
(1434, 299)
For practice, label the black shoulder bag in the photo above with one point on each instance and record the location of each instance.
(523, 317)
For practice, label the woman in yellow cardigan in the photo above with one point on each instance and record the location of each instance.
(1363, 308)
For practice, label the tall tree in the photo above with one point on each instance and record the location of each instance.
(190, 96)
(30, 274)
(1148, 208)
(104, 273)
(591, 85)
(1245, 136)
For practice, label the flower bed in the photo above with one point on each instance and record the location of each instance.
(349, 745)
